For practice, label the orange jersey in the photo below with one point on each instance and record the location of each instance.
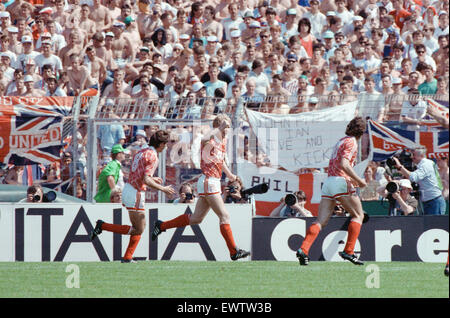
(212, 157)
(144, 163)
(346, 147)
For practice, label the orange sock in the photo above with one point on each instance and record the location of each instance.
(134, 241)
(311, 236)
(179, 221)
(227, 234)
(116, 228)
(353, 232)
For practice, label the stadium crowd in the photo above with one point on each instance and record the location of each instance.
(212, 56)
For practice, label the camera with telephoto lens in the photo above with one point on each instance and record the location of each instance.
(257, 189)
(189, 196)
(50, 196)
(290, 199)
(405, 158)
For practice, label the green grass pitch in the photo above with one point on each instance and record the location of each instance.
(253, 279)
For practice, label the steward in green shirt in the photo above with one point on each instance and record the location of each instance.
(110, 175)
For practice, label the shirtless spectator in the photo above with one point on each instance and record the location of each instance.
(121, 46)
(79, 76)
(117, 87)
(96, 66)
(74, 45)
(101, 16)
(20, 88)
(30, 90)
(86, 23)
(59, 14)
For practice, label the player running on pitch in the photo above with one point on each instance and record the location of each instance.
(143, 165)
(213, 149)
(339, 186)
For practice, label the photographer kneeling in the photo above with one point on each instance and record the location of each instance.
(292, 205)
(232, 192)
(398, 193)
(186, 194)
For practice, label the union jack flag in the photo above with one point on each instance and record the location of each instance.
(385, 142)
(31, 129)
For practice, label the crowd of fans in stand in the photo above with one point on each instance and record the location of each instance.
(281, 56)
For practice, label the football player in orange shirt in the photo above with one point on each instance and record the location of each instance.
(339, 186)
(213, 149)
(143, 166)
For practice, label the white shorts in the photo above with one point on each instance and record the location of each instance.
(335, 187)
(208, 186)
(133, 199)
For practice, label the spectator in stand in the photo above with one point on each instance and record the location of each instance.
(429, 86)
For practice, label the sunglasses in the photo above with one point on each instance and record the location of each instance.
(420, 52)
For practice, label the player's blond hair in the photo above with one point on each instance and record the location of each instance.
(220, 118)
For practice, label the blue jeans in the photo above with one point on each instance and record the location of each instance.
(435, 206)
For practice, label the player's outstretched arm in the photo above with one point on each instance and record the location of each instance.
(154, 184)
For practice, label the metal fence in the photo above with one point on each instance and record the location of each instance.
(187, 117)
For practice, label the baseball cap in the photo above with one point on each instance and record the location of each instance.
(47, 42)
(129, 19)
(405, 183)
(291, 11)
(30, 61)
(331, 14)
(118, 148)
(27, 39)
(197, 86)
(46, 35)
(328, 35)
(109, 34)
(235, 34)
(396, 80)
(248, 14)
(28, 78)
(313, 100)
(179, 46)
(255, 24)
(212, 38)
(119, 24)
(184, 37)
(13, 29)
(292, 56)
(141, 132)
(4, 14)
(144, 48)
(46, 10)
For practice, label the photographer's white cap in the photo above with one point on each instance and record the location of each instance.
(405, 183)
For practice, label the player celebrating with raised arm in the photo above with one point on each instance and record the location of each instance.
(213, 149)
(339, 186)
(143, 165)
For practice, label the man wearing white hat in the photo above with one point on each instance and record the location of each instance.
(404, 203)
(30, 90)
(236, 43)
